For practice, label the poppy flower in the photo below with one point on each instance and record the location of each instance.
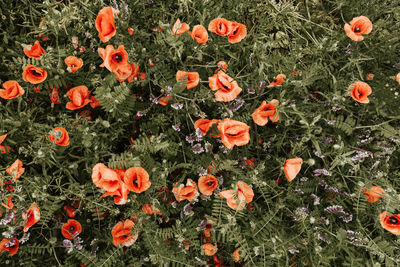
(163, 101)
(10, 245)
(120, 195)
(105, 178)
(179, 27)
(266, 111)
(292, 168)
(12, 89)
(193, 78)
(221, 66)
(122, 72)
(360, 92)
(209, 249)
(207, 231)
(236, 256)
(358, 26)
(188, 192)
(105, 24)
(16, 169)
(149, 209)
(35, 51)
(370, 76)
(79, 97)
(2, 138)
(32, 216)
(220, 26)
(59, 136)
(113, 58)
(33, 74)
(233, 133)
(4, 149)
(54, 96)
(121, 233)
(131, 31)
(227, 88)
(374, 193)
(134, 72)
(137, 179)
(237, 198)
(278, 80)
(94, 102)
(204, 125)
(207, 184)
(9, 204)
(200, 34)
(142, 76)
(398, 77)
(390, 223)
(73, 63)
(238, 33)
(71, 229)
(71, 212)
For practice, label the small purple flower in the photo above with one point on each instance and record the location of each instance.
(293, 251)
(7, 219)
(251, 91)
(201, 171)
(168, 89)
(190, 139)
(78, 243)
(208, 146)
(177, 106)
(301, 213)
(330, 122)
(141, 113)
(68, 245)
(197, 149)
(199, 134)
(239, 103)
(153, 99)
(223, 149)
(88, 35)
(176, 127)
(334, 209)
(298, 191)
(24, 238)
(303, 179)
(318, 172)
(316, 199)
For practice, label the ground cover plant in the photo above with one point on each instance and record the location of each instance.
(200, 133)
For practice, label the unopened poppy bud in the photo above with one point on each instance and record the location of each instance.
(311, 162)
(336, 146)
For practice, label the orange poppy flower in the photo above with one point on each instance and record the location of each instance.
(12, 89)
(233, 133)
(131, 31)
(120, 195)
(236, 256)
(142, 76)
(207, 184)
(360, 92)
(2, 138)
(134, 72)
(149, 209)
(94, 102)
(292, 167)
(204, 125)
(200, 34)
(10, 245)
(390, 223)
(358, 26)
(193, 78)
(179, 27)
(113, 57)
(71, 229)
(79, 97)
(207, 231)
(105, 178)
(137, 179)
(278, 80)
(35, 51)
(33, 74)
(4, 149)
(121, 233)
(188, 192)
(105, 24)
(122, 72)
(209, 249)
(54, 96)
(32, 216)
(374, 193)
(370, 76)
(238, 33)
(237, 199)
(398, 77)
(71, 212)
(59, 136)
(163, 101)
(227, 88)
(220, 26)
(73, 63)
(9, 204)
(265, 111)
(16, 169)
(221, 66)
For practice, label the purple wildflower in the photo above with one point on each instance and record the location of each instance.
(334, 209)
(7, 219)
(316, 199)
(300, 213)
(303, 179)
(78, 243)
(153, 99)
(68, 245)
(330, 122)
(208, 146)
(176, 127)
(318, 172)
(141, 113)
(177, 106)
(298, 191)
(293, 251)
(190, 139)
(251, 91)
(201, 171)
(197, 149)
(24, 238)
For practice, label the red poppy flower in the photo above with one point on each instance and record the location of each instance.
(238, 33)
(221, 66)
(207, 184)
(113, 57)
(32, 216)
(120, 195)
(123, 72)
(204, 125)
(54, 96)
(292, 167)
(163, 101)
(71, 212)
(122, 234)
(134, 72)
(33, 74)
(73, 63)
(193, 78)
(374, 193)
(94, 102)
(79, 97)
(220, 26)
(131, 31)
(227, 88)
(370, 76)
(234, 133)
(237, 199)
(16, 169)
(105, 178)
(390, 223)
(105, 24)
(266, 111)
(12, 89)
(9, 204)
(59, 136)
(71, 229)
(188, 192)
(10, 245)
(209, 249)
(360, 92)
(200, 34)
(149, 209)
(35, 51)
(278, 80)
(235, 255)
(137, 179)
(358, 26)
(179, 27)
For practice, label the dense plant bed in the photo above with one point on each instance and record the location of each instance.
(200, 133)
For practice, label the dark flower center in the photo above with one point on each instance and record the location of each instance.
(72, 228)
(393, 220)
(73, 65)
(357, 29)
(135, 182)
(118, 58)
(124, 236)
(210, 183)
(34, 72)
(274, 80)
